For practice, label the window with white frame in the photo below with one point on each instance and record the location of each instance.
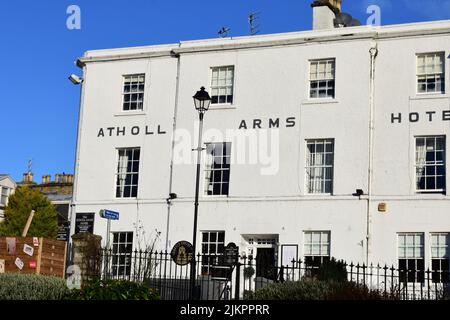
(133, 92)
(319, 165)
(222, 82)
(4, 196)
(322, 78)
(316, 247)
(440, 256)
(430, 164)
(127, 175)
(122, 248)
(213, 243)
(217, 168)
(411, 261)
(431, 73)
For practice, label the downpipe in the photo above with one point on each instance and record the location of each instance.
(373, 54)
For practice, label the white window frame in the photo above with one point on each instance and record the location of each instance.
(130, 93)
(214, 87)
(118, 172)
(208, 167)
(431, 74)
(321, 243)
(414, 256)
(117, 253)
(324, 167)
(5, 192)
(438, 255)
(318, 79)
(217, 255)
(419, 164)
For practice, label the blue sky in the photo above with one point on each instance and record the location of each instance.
(39, 106)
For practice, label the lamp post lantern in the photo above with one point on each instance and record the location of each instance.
(202, 101)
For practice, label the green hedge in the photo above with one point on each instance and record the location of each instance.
(32, 287)
(114, 290)
(314, 290)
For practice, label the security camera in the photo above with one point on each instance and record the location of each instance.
(75, 79)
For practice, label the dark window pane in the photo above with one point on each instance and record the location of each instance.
(431, 182)
(221, 237)
(137, 154)
(127, 192)
(134, 191)
(225, 189)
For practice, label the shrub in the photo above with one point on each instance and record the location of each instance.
(32, 287)
(249, 272)
(114, 290)
(315, 290)
(332, 271)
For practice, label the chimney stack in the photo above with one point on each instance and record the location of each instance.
(324, 13)
(27, 177)
(46, 179)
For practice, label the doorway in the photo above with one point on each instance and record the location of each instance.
(265, 263)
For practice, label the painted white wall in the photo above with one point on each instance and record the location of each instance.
(272, 82)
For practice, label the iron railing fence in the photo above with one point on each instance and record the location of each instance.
(217, 281)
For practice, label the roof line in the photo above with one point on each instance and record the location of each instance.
(270, 40)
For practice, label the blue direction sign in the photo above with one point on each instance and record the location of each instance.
(110, 215)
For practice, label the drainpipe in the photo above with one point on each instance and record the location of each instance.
(373, 54)
(174, 127)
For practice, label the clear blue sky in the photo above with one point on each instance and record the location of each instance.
(39, 106)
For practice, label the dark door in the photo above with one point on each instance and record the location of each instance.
(265, 263)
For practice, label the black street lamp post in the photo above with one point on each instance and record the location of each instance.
(202, 101)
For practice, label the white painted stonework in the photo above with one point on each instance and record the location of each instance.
(271, 81)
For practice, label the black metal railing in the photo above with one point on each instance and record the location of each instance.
(216, 281)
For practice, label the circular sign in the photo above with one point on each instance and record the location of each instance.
(182, 253)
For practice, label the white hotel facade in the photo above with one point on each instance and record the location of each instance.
(340, 108)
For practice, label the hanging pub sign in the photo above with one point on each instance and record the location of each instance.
(182, 253)
(231, 254)
(84, 223)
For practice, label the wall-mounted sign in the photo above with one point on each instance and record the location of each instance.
(84, 223)
(19, 263)
(231, 254)
(63, 232)
(33, 264)
(11, 246)
(182, 253)
(267, 123)
(29, 250)
(36, 241)
(425, 116)
(132, 131)
(2, 266)
(110, 215)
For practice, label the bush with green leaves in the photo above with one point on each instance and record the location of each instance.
(20, 204)
(332, 270)
(314, 290)
(32, 287)
(114, 290)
